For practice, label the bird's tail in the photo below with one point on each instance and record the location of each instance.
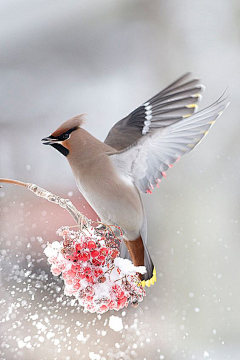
(150, 277)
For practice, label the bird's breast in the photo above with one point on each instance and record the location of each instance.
(110, 192)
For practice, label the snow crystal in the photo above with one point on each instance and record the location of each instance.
(50, 335)
(115, 323)
(82, 338)
(52, 249)
(127, 267)
(27, 339)
(94, 356)
(21, 344)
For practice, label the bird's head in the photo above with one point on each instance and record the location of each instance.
(60, 138)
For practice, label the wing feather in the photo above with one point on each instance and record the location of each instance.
(152, 155)
(175, 102)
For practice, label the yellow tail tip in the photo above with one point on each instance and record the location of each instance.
(151, 281)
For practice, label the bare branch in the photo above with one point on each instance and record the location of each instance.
(64, 203)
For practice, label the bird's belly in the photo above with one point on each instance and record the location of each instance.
(115, 203)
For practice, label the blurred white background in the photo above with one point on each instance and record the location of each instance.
(104, 58)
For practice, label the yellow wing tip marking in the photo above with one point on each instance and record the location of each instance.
(206, 132)
(192, 106)
(198, 96)
(186, 116)
(212, 122)
(191, 145)
(151, 281)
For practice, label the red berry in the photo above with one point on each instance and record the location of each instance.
(96, 262)
(67, 242)
(87, 270)
(98, 272)
(111, 304)
(51, 260)
(85, 256)
(68, 281)
(76, 286)
(89, 290)
(55, 271)
(61, 267)
(81, 275)
(91, 244)
(103, 308)
(90, 307)
(116, 288)
(94, 253)
(114, 253)
(65, 275)
(101, 258)
(80, 257)
(71, 273)
(78, 248)
(69, 257)
(89, 278)
(103, 251)
(76, 267)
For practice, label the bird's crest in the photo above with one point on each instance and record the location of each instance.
(71, 124)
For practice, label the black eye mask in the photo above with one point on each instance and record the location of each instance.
(64, 136)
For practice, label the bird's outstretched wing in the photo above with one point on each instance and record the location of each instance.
(147, 160)
(175, 102)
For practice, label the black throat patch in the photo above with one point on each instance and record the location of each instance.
(61, 149)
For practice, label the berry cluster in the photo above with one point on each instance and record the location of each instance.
(87, 261)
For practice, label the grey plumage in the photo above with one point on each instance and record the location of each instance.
(149, 157)
(170, 105)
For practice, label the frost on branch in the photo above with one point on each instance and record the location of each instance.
(88, 261)
(47, 195)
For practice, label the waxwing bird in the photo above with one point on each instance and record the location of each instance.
(134, 157)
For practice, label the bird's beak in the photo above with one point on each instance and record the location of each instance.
(50, 141)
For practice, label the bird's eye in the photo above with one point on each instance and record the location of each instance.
(65, 136)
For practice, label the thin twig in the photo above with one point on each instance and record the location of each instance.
(64, 203)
